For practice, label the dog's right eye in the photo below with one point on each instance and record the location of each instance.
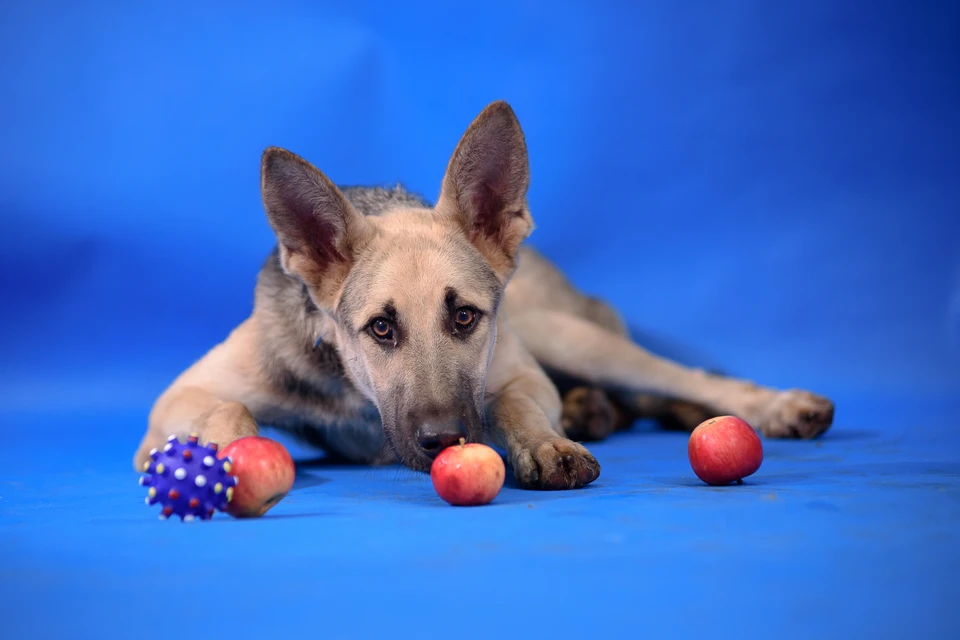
(382, 330)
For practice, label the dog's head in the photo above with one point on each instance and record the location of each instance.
(414, 294)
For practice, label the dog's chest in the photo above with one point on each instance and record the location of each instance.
(317, 402)
(312, 379)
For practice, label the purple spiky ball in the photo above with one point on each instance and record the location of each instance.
(188, 479)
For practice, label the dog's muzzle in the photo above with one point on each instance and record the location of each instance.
(433, 437)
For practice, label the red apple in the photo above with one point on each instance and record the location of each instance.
(468, 474)
(723, 450)
(264, 471)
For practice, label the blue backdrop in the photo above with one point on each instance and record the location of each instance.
(767, 187)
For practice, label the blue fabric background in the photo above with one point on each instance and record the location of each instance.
(764, 187)
(772, 188)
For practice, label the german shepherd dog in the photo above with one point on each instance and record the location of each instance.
(384, 328)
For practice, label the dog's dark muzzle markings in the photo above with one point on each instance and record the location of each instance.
(435, 430)
(435, 435)
(430, 416)
(424, 432)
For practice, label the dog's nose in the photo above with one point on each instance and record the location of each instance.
(435, 437)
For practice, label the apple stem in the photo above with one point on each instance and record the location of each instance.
(463, 441)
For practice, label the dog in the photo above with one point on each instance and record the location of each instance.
(385, 329)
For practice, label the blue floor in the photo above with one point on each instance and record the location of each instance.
(854, 535)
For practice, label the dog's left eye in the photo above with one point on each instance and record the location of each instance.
(465, 317)
(382, 330)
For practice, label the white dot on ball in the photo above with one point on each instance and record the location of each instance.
(208, 461)
(180, 473)
(142, 478)
(168, 447)
(201, 481)
(171, 438)
(146, 501)
(188, 517)
(163, 517)
(236, 480)
(153, 451)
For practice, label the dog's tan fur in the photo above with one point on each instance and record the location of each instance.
(306, 359)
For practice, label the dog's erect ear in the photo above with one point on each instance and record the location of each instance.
(485, 186)
(317, 229)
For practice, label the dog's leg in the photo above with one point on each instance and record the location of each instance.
(591, 414)
(210, 398)
(585, 350)
(525, 419)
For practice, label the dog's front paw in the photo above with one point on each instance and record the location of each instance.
(795, 414)
(555, 464)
